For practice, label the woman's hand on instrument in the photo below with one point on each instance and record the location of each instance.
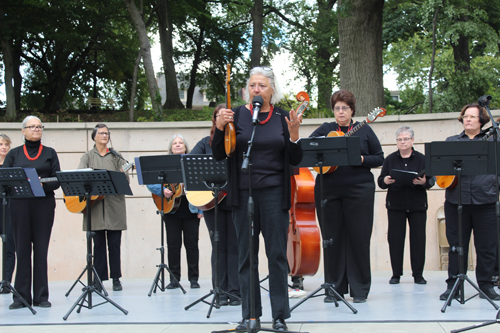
(388, 180)
(167, 193)
(225, 116)
(419, 180)
(293, 123)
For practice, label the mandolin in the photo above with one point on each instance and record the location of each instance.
(446, 181)
(204, 200)
(78, 204)
(171, 204)
(303, 97)
(372, 116)
(229, 130)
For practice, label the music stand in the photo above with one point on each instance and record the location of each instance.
(321, 152)
(160, 169)
(459, 158)
(16, 183)
(88, 183)
(204, 173)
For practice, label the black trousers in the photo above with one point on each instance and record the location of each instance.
(114, 240)
(396, 236)
(32, 221)
(10, 255)
(348, 222)
(481, 219)
(177, 229)
(272, 221)
(228, 249)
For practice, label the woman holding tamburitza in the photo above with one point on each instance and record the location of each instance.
(349, 192)
(109, 216)
(182, 224)
(228, 245)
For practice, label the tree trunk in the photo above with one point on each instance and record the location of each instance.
(133, 90)
(461, 54)
(324, 54)
(167, 53)
(9, 77)
(433, 56)
(146, 56)
(194, 69)
(257, 13)
(18, 79)
(360, 49)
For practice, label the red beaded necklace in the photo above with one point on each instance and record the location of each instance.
(37, 155)
(268, 116)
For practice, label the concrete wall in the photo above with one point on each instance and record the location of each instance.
(139, 255)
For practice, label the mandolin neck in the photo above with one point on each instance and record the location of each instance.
(356, 128)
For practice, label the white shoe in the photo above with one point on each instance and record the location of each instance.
(296, 293)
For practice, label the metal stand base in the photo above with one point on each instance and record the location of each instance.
(217, 292)
(459, 285)
(5, 285)
(333, 292)
(161, 279)
(97, 282)
(86, 297)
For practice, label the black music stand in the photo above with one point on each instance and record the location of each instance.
(88, 183)
(459, 158)
(160, 169)
(16, 183)
(321, 152)
(204, 173)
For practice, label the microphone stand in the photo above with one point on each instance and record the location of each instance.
(484, 101)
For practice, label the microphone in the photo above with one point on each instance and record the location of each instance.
(114, 152)
(257, 104)
(484, 101)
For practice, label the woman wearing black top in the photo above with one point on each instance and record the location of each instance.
(228, 246)
(406, 202)
(349, 193)
(478, 198)
(276, 147)
(32, 218)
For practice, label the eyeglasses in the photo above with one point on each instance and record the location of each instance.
(403, 139)
(103, 133)
(470, 117)
(33, 128)
(344, 108)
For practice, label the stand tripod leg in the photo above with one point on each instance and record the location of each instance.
(158, 279)
(76, 281)
(481, 293)
(7, 286)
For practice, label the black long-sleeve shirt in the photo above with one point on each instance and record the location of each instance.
(371, 150)
(400, 197)
(46, 165)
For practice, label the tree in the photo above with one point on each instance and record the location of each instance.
(165, 13)
(360, 50)
(145, 45)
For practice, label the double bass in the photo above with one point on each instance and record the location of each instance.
(304, 241)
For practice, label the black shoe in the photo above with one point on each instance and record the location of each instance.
(173, 285)
(394, 280)
(329, 299)
(359, 300)
(243, 325)
(4, 291)
(223, 301)
(43, 304)
(280, 325)
(420, 280)
(234, 301)
(17, 305)
(491, 293)
(195, 285)
(444, 296)
(117, 286)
